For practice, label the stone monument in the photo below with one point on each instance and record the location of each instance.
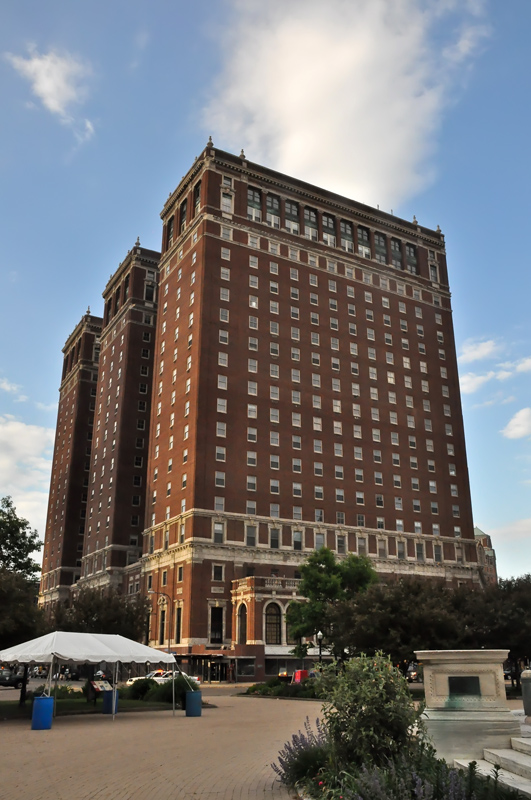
(466, 707)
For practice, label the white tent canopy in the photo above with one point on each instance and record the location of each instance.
(84, 648)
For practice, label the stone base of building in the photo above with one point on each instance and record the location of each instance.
(465, 734)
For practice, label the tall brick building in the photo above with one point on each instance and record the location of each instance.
(67, 505)
(305, 393)
(116, 497)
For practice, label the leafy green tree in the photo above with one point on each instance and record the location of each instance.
(398, 618)
(17, 542)
(20, 619)
(326, 583)
(94, 611)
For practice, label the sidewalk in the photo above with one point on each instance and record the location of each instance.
(223, 755)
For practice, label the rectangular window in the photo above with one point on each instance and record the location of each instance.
(274, 538)
(250, 535)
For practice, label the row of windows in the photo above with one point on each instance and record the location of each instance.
(313, 279)
(332, 265)
(318, 468)
(318, 492)
(337, 425)
(296, 443)
(315, 539)
(298, 219)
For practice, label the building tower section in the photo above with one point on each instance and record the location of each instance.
(67, 505)
(305, 394)
(117, 479)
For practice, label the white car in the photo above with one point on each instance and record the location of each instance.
(167, 676)
(155, 674)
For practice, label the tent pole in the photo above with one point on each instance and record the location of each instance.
(173, 685)
(55, 697)
(49, 679)
(114, 690)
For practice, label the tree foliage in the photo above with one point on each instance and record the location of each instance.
(413, 613)
(94, 611)
(20, 619)
(326, 583)
(17, 542)
(369, 713)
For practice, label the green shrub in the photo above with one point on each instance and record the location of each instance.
(369, 714)
(138, 689)
(59, 692)
(304, 758)
(162, 692)
(423, 777)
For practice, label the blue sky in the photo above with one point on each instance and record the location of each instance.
(421, 107)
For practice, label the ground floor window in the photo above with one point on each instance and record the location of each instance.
(216, 625)
(245, 667)
(273, 632)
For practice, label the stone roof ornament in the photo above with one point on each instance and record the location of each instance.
(242, 154)
(210, 143)
(137, 243)
(88, 310)
(415, 220)
(438, 229)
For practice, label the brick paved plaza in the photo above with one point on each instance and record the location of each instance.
(223, 755)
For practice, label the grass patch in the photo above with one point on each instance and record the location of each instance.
(70, 706)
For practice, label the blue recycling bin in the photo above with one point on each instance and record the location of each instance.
(107, 702)
(193, 704)
(42, 714)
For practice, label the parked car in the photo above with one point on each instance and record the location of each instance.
(167, 676)
(10, 677)
(413, 673)
(157, 673)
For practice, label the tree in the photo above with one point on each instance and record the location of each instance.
(399, 618)
(326, 583)
(94, 611)
(20, 619)
(17, 542)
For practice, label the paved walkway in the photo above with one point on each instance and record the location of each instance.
(223, 755)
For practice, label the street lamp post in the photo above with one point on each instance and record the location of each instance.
(168, 601)
(320, 640)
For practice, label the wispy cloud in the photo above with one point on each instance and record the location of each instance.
(46, 406)
(314, 89)
(470, 382)
(140, 42)
(12, 389)
(58, 81)
(519, 426)
(25, 463)
(474, 350)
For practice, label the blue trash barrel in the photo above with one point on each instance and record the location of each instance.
(42, 714)
(107, 702)
(193, 704)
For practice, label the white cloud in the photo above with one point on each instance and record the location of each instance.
(524, 365)
(476, 351)
(25, 464)
(58, 81)
(519, 426)
(470, 382)
(46, 406)
(13, 389)
(345, 95)
(503, 374)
